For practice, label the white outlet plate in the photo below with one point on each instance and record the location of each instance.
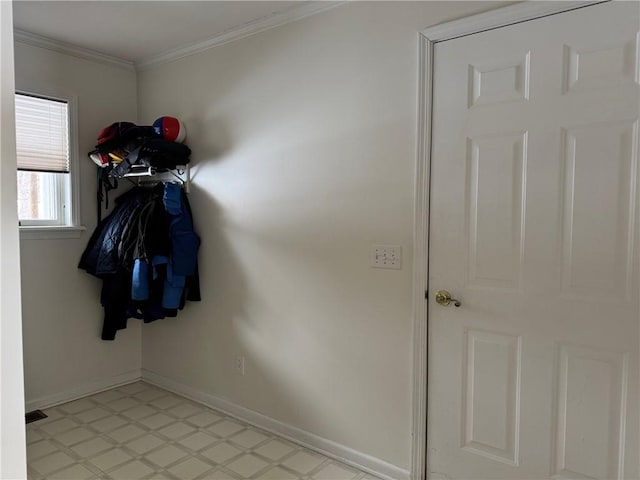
(385, 256)
(240, 365)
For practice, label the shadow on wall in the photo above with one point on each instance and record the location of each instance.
(199, 348)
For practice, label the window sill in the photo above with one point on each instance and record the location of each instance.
(50, 233)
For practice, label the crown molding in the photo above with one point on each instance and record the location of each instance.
(28, 38)
(236, 33)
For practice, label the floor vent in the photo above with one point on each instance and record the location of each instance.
(35, 415)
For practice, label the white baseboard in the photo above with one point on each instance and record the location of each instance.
(82, 391)
(342, 453)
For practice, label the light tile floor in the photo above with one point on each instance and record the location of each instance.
(139, 431)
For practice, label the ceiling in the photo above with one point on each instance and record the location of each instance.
(136, 31)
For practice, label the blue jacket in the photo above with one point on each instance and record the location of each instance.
(184, 253)
(184, 241)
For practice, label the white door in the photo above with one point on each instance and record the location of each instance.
(534, 227)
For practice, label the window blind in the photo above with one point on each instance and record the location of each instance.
(42, 134)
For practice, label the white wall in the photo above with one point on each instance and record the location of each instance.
(304, 142)
(62, 317)
(12, 432)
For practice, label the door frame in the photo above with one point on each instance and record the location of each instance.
(427, 39)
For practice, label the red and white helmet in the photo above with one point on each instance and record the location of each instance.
(170, 128)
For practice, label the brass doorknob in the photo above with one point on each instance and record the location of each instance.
(444, 298)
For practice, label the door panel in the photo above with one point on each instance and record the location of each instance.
(495, 187)
(598, 262)
(534, 226)
(591, 397)
(491, 422)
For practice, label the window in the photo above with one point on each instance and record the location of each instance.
(43, 148)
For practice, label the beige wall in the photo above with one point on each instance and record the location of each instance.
(304, 141)
(62, 317)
